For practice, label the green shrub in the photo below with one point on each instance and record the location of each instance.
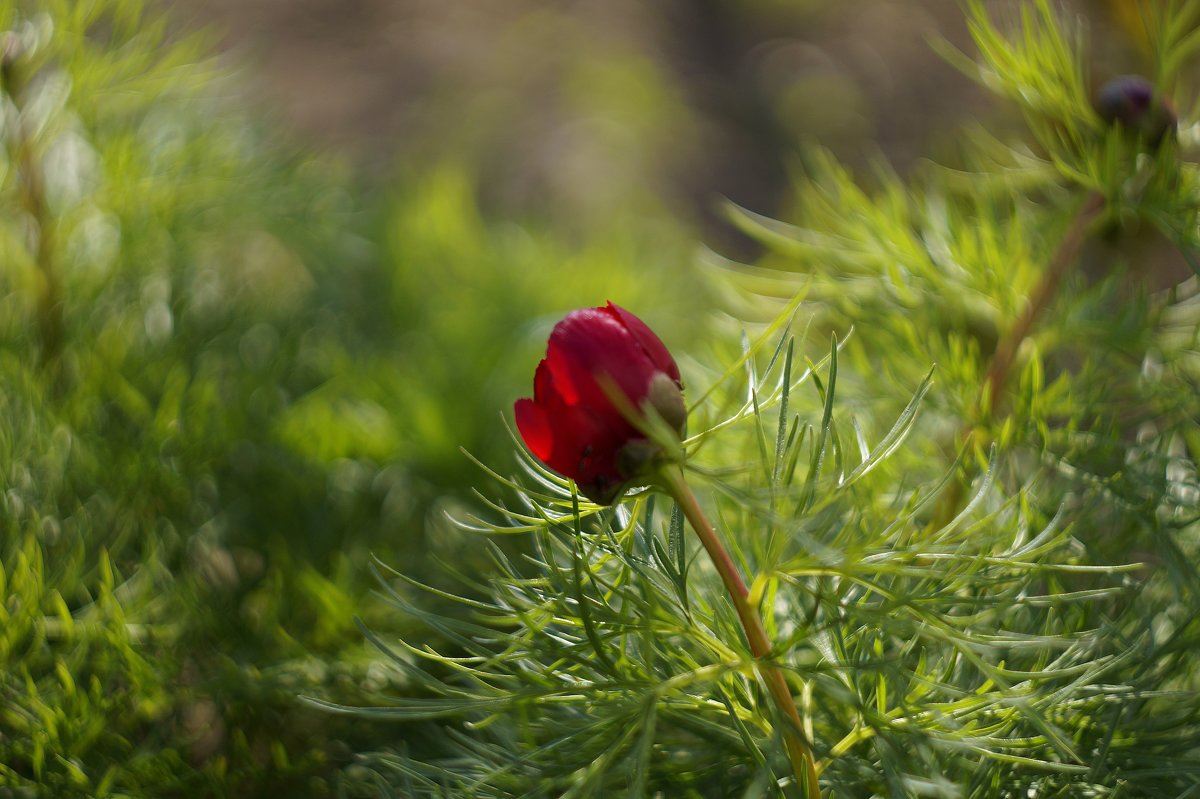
(228, 371)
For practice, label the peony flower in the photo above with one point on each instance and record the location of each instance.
(604, 374)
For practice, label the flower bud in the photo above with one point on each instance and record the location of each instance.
(603, 367)
(1133, 103)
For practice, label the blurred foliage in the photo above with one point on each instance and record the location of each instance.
(149, 308)
(229, 371)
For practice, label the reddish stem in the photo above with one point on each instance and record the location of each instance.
(1001, 364)
(1064, 258)
(760, 644)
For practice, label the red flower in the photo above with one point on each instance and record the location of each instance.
(572, 423)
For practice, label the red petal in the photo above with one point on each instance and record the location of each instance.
(658, 353)
(535, 428)
(554, 373)
(592, 345)
(585, 448)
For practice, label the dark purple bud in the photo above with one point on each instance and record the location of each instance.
(1133, 103)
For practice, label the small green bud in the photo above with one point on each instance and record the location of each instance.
(666, 397)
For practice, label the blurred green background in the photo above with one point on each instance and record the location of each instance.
(265, 267)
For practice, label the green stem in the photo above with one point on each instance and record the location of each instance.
(760, 644)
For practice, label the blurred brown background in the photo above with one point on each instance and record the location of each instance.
(563, 108)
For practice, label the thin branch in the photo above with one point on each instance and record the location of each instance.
(760, 644)
(1057, 269)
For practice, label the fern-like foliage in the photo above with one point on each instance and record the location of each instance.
(981, 583)
(142, 260)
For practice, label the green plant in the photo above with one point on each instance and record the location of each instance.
(223, 381)
(980, 584)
